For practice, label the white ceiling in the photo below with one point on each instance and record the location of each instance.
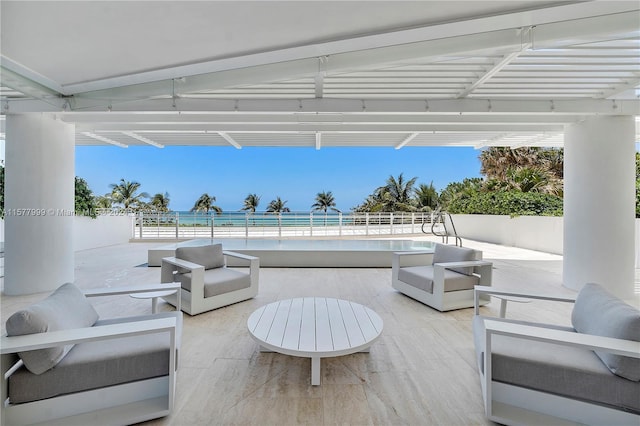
(320, 73)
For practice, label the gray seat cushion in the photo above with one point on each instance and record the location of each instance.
(421, 277)
(445, 253)
(600, 313)
(561, 370)
(209, 256)
(95, 365)
(218, 281)
(65, 308)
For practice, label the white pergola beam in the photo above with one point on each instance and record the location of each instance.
(629, 84)
(104, 139)
(143, 139)
(82, 119)
(374, 106)
(493, 71)
(318, 140)
(493, 140)
(226, 129)
(229, 139)
(406, 140)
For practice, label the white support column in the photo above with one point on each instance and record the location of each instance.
(39, 203)
(599, 204)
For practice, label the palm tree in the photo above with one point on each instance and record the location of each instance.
(397, 194)
(456, 190)
(277, 206)
(426, 197)
(205, 204)
(324, 202)
(104, 201)
(251, 203)
(126, 193)
(160, 202)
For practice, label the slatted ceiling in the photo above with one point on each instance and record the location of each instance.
(186, 138)
(362, 139)
(453, 138)
(275, 139)
(299, 88)
(164, 138)
(6, 92)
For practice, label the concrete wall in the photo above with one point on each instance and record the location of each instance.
(102, 231)
(540, 233)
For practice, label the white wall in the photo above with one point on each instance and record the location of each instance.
(101, 231)
(542, 233)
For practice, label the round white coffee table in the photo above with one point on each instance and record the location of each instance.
(315, 327)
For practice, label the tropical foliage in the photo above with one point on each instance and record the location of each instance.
(324, 202)
(205, 204)
(104, 201)
(251, 203)
(85, 204)
(514, 203)
(277, 206)
(160, 202)
(426, 197)
(522, 181)
(126, 194)
(396, 195)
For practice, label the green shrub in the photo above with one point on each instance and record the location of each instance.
(513, 203)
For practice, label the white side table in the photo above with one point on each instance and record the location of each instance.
(153, 295)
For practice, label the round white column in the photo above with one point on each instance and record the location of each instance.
(599, 204)
(39, 203)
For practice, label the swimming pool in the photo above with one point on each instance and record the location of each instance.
(304, 253)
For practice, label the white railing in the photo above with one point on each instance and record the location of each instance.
(263, 225)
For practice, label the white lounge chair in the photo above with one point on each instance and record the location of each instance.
(447, 281)
(207, 283)
(61, 364)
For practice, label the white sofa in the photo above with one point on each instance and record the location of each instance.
(62, 364)
(207, 283)
(444, 282)
(546, 374)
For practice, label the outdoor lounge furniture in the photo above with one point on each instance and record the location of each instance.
(547, 374)
(61, 364)
(207, 283)
(447, 281)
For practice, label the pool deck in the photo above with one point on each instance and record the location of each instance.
(304, 253)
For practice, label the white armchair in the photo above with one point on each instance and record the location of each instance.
(61, 364)
(539, 373)
(446, 282)
(206, 282)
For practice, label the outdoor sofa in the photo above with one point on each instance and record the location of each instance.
(547, 374)
(62, 364)
(446, 281)
(206, 281)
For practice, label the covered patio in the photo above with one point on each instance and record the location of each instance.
(421, 371)
(315, 75)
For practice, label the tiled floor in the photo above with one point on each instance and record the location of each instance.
(421, 372)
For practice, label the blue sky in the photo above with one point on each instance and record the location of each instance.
(294, 174)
